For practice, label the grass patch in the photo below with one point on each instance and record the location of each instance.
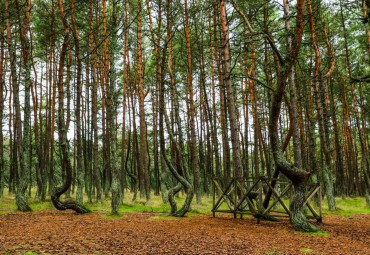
(7, 205)
(317, 234)
(139, 206)
(346, 206)
(272, 251)
(307, 250)
(38, 205)
(199, 211)
(113, 216)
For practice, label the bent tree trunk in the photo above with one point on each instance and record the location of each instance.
(183, 179)
(62, 132)
(297, 175)
(66, 164)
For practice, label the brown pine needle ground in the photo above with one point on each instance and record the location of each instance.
(54, 232)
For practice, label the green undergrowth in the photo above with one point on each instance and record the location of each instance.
(155, 205)
(306, 250)
(164, 216)
(112, 216)
(319, 233)
(346, 206)
(272, 251)
(38, 205)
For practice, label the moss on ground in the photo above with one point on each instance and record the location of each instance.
(112, 216)
(306, 250)
(348, 206)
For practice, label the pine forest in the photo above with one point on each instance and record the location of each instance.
(175, 110)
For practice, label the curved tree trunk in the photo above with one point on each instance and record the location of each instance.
(298, 176)
(183, 178)
(62, 132)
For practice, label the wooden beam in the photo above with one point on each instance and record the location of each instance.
(278, 196)
(287, 188)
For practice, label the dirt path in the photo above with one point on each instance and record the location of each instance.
(54, 232)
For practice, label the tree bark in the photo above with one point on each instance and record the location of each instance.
(234, 129)
(2, 85)
(141, 94)
(193, 141)
(111, 107)
(293, 96)
(298, 176)
(62, 132)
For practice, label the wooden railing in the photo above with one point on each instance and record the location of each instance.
(246, 196)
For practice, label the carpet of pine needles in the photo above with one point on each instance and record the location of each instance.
(55, 232)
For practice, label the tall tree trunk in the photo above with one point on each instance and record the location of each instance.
(23, 143)
(49, 141)
(94, 103)
(293, 96)
(80, 166)
(212, 114)
(141, 94)
(105, 112)
(2, 85)
(223, 106)
(193, 141)
(338, 147)
(11, 141)
(125, 88)
(156, 41)
(181, 176)
(234, 129)
(328, 181)
(256, 127)
(62, 132)
(298, 176)
(111, 107)
(364, 156)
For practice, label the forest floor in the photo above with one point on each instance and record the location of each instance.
(48, 231)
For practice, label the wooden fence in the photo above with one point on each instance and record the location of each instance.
(246, 196)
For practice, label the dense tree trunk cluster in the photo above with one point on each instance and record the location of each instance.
(100, 98)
